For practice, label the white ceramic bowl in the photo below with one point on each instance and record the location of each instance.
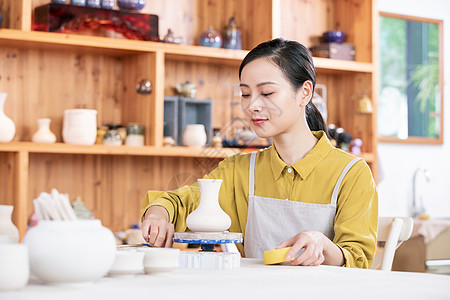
(127, 263)
(14, 266)
(160, 260)
(70, 252)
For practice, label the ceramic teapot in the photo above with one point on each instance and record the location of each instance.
(186, 89)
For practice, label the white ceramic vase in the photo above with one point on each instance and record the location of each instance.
(209, 216)
(194, 135)
(14, 267)
(6, 225)
(44, 134)
(80, 126)
(7, 127)
(70, 252)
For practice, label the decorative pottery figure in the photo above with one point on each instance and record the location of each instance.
(44, 135)
(194, 136)
(171, 38)
(6, 225)
(232, 36)
(211, 38)
(186, 89)
(7, 127)
(209, 216)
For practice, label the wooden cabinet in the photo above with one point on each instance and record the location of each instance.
(45, 73)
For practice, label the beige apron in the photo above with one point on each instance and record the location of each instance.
(271, 221)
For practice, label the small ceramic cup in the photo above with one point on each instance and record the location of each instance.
(160, 260)
(127, 263)
(14, 266)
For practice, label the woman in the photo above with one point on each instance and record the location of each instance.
(300, 192)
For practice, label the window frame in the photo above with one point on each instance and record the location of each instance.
(416, 139)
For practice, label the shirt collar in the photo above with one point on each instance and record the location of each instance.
(304, 166)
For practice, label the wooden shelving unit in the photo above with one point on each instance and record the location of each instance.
(45, 73)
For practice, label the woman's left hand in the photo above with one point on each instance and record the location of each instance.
(313, 242)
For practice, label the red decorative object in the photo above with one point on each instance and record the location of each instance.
(95, 21)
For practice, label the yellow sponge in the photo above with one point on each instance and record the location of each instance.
(276, 256)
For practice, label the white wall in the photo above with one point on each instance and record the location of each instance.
(397, 162)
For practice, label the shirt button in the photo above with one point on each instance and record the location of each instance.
(289, 170)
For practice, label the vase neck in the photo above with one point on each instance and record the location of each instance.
(44, 124)
(2, 102)
(209, 192)
(6, 211)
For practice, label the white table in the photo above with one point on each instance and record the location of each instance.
(253, 280)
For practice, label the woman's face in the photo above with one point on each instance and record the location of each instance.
(268, 99)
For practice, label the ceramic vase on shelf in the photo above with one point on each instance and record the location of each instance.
(131, 4)
(209, 216)
(211, 38)
(70, 252)
(194, 136)
(44, 134)
(108, 4)
(80, 126)
(232, 36)
(6, 225)
(7, 127)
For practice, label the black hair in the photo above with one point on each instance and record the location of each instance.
(296, 63)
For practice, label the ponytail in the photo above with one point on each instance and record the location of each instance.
(314, 118)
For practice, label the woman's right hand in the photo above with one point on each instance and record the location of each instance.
(156, 228)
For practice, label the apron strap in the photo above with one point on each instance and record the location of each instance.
(251, 174)
(341, 178)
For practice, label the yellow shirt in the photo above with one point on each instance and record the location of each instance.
(313, 180)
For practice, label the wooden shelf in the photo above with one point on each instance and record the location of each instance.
(61, 148)
(110, 46)
(336, 65)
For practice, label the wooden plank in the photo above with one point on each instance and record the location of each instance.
(358, 27)
(61, 148)
(21, 192)
(8, 169)
(305, 21)
(108, 46)
(157, 118)
(336, 66)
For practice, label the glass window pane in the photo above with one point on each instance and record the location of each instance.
(409, 100)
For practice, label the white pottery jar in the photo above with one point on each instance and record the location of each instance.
(7, 127)
(209, 216)
(194, 135)
(6, 225)
(70, 252)
(14, 267)
(80, 126)
(44, 134)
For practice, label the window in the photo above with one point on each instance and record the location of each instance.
(410, 101)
